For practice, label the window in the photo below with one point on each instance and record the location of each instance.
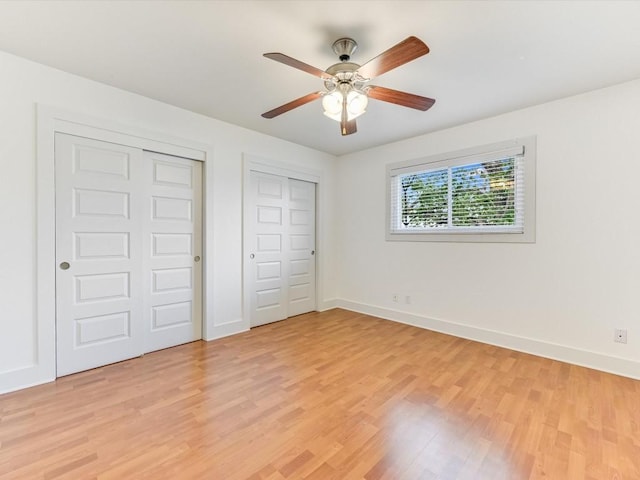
(485, 194)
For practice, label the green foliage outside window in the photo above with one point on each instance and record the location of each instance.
(482, 194)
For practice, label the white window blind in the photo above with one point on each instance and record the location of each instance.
(479, 192)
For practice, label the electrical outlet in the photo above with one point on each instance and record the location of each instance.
(620, 335)
(395, 298)
(407, 299)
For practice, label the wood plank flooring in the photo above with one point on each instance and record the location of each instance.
(333, 395)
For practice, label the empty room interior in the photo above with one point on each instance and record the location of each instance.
(332, 240)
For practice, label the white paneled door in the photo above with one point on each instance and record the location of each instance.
(281, 247)
(117, 210)
(99, 280)
(173, 228)
(301, 228)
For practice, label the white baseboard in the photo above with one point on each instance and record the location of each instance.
(25, 377)
(576, 356)
(328, 304)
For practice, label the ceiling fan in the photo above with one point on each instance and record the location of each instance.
(346, 83)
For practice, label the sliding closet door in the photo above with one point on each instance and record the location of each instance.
(173, 230)
(128, 252)
(99, 255)
(281, 247)
(302, 238)
(267, 234)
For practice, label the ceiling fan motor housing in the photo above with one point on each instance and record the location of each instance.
(344, 72)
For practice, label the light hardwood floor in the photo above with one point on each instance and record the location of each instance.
(334, 395)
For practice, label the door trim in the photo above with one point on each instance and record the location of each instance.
(51, 120)
(257, 164)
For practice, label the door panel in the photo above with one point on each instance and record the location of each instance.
(101, 245)
(268, 296)
(173, 226)
(302, 235)
(98, 234)
(281, 237)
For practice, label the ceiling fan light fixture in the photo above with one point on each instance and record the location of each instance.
(332, 104)
(356, 104)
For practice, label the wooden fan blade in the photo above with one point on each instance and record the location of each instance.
(348, 127)
(298, 102)
(292, 62)
(400, 98)
(405, 51)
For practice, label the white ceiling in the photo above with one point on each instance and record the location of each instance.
(487, 57)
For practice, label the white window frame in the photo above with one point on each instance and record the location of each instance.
(526, 147)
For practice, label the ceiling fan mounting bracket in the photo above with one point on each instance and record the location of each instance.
(344, 48)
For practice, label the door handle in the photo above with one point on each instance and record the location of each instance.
(252, 256)
(313, 252)
(196, 258)
(65, 266)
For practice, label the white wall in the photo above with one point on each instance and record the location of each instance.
(24, 84)
(560, 297)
